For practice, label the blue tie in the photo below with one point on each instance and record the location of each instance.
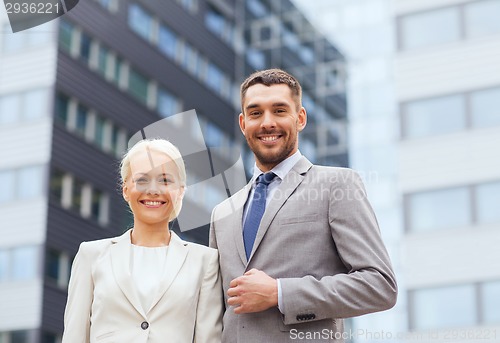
(257, 208)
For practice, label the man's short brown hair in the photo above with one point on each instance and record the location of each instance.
(270, 77)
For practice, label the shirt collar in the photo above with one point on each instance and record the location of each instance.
(282, 168)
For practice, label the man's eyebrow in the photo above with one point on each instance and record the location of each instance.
(281, 104)
(250, 106)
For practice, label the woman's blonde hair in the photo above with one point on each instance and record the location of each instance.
(162, 146)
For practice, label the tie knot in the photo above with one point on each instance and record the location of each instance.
(266, 178)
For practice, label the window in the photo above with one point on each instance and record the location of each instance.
(24, 263)
(62, 108)
(56, 185)
(189, 5)
(35, 104)
(439, 308)
(218, 24)
(81, 119)
(20, 336)
(167, 103)
(57, 267)
(110, 5)
(167, 41)
(140, 21)
(430, 28)
(256, 58)
(30, 182)
(257, 8)
(440, 209)
(214, 77)
(491, 302)
(10, 108)
(138, 86)
(4, 265)
(487, 200)
(481, 18)
(73, 193)
(102, 61)
(26, 106)
(66, 38)
(434, 116)
(20, 184)
(85, 47)
(100, 125)
(485, 107)
(33, 37)
(98, 206)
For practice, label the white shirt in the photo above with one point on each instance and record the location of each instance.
(146, 266)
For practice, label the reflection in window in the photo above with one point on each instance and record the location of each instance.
(85, 43)
(24, 263)
(66, 35)
(487, 200)
(81, 119)
(439, 209)
(485, 107)
(35, 104)
(439, 308)
(30, 182)
(434, 116)
(491, 302)
(7, 180)
(167, 41)
(482, 18)
(56, 185)
(10, 107)
(62, 106)
(140, 21)
(430, 28)
(76, 198)
(167, 103)
(4, 265)
(102, 61)
(138, 86)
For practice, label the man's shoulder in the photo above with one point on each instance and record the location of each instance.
(341, 172)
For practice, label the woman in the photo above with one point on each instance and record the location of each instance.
(146, 285)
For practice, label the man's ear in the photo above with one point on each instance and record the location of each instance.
(301, 119)
(242, 123)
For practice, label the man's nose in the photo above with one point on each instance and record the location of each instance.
(268, 120)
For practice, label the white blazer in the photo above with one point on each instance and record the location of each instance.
(103, 305)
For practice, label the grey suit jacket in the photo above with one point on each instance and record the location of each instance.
(320, 237)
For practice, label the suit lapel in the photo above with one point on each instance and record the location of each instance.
(176, 255)
(292, 180)
(120, 261)
(238, 204)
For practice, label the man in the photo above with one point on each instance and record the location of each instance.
(300, 247)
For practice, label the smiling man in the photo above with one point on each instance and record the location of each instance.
(299, 246)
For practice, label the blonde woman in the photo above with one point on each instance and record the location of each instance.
(147, 285)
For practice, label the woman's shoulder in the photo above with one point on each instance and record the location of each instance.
(199, 248)
(96, 246)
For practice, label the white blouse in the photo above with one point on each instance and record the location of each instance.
(146, 266)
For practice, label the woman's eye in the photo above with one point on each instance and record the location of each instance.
(141, 181)
(165, 181)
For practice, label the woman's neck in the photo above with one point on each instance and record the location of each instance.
(150, 235)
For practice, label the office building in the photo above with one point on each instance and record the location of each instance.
(72, 93)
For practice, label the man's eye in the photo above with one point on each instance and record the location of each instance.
(280, 110)
(254, 113)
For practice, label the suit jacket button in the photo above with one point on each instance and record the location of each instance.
(144, 325)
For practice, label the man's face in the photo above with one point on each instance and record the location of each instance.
(271, 123)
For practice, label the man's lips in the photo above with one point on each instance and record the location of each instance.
(269, 139)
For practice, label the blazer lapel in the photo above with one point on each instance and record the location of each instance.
(176, 255)
(120, 261)
(238, 204)
(292, 180)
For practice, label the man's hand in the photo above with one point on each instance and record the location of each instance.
(254, 291)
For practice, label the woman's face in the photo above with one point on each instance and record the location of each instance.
(153, 187)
